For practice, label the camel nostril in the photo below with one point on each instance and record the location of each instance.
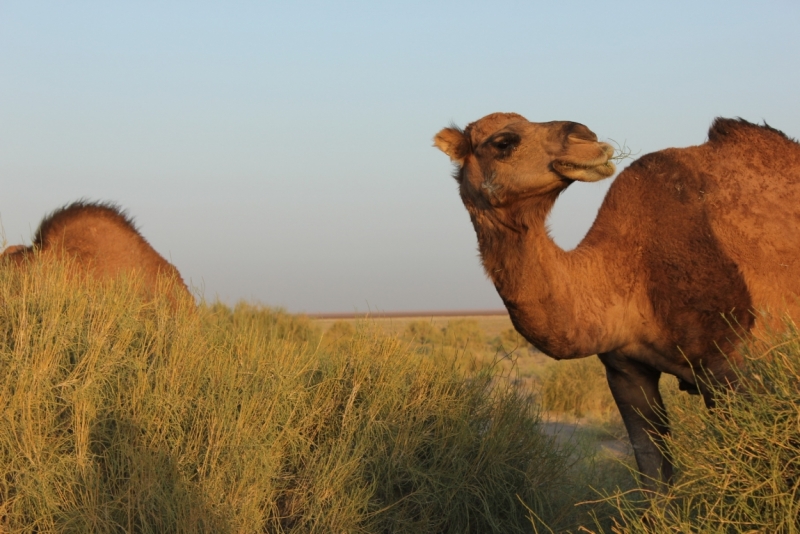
(577, 130)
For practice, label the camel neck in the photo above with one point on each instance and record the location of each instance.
(560, 301)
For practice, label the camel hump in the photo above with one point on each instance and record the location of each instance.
(101, 234)
(732, 130)
(14, 254)
(79, 212)
(104, 241)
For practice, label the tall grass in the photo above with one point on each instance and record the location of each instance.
(464, 341)
(120, 415)
(738, 465)
(566, 391)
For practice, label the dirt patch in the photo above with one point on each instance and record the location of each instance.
(601, 439)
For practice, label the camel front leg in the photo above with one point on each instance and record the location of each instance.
(635, 390)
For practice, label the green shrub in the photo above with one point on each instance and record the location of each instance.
(461, 333)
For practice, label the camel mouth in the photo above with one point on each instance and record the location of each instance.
(587, 163)
(570, 165)
(560, 165)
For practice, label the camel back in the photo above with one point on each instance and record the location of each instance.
(104, 242)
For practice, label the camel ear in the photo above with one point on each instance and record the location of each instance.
(454, 143)
(584, 158)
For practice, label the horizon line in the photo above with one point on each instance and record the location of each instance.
(400, 314)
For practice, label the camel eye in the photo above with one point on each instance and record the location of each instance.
(504, 144)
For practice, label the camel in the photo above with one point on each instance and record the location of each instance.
(103, 241)
(691, 248)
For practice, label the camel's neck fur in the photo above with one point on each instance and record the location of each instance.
(510, 172)
(559, 300)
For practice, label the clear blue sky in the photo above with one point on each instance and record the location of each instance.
(282, 153)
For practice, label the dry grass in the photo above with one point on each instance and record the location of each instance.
(124, 416)
(567, 390)
(738, 465)
(580, 413)
(578, 389)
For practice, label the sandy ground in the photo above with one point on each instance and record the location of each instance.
(615, 446)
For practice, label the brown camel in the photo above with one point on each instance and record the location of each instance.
(687, 243)
(102, 239)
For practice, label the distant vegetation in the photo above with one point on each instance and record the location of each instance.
(570, 389)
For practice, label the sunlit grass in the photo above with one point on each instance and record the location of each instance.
(575, 399)
(121, 415)
(738, 465)
(124, 415)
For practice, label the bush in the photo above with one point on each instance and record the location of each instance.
(460, 333)
(127, 416)
(738, 465)
(262, 321)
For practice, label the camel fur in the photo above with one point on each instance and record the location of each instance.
(691, 248)
(104, 243)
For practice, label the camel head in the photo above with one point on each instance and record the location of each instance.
(503, 157)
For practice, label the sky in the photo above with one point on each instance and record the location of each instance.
(281, 153)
